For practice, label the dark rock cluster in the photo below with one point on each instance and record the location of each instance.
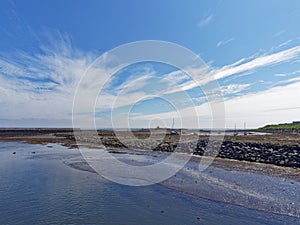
(265, 153)
(282, 155)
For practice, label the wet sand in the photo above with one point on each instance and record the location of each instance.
(252, 185)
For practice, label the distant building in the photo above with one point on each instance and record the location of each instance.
(296, 122)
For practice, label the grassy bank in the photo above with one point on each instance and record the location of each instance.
(281, 127)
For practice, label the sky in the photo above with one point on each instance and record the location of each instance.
(251, 48)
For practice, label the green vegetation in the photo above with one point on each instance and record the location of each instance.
(286, 126)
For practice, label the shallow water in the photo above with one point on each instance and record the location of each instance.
(38, 188)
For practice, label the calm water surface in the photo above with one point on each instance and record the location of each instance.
(38, 188)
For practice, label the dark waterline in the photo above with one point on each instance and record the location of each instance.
(38, 188)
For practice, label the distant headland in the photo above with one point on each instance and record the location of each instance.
(282, 127)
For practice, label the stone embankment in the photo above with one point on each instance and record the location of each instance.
(281, 155)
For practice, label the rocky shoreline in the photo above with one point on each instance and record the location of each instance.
(283, 155)
(276, 149)
(280, 155)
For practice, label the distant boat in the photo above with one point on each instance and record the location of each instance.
(173, 132)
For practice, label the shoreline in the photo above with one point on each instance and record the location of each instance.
(228, 181)
(258, 186)
(272, 148)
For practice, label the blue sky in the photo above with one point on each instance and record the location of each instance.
(252, 48)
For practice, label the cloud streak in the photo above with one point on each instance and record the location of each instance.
(224, 42)
(241, 66)
(275, 105)
(206, 21)
(266, 60)
(41, 85)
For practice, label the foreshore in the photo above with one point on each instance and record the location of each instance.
(281, 149)
(253, 185)
(230, 178)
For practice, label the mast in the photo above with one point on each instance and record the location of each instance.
(235, 132)
(173, 124)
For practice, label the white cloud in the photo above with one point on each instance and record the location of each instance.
(275, 105)
(286, 74)
(266, 106)
(206, 21)
(241, 66)
(258, 62)
(289, 81)
(224, 42)
(284, 43)
(177, 76)
(280, 75)
(133, 83)
(41, 85)
(279, 33)
(234, 88)
(244, 66)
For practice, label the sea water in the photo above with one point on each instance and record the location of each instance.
(37, 187)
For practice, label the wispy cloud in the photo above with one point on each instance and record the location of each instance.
(280, 75)
(206, 21)
(279, 33)
(224, 42)
(287, 74)
(265, 60)
(288, 81)
(241, 66)
(281, 45)
(234, 88)
(256, 108)
(284, 43)
(41, 85)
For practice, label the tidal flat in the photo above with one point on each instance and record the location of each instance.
(249, 186)
(41, 185)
